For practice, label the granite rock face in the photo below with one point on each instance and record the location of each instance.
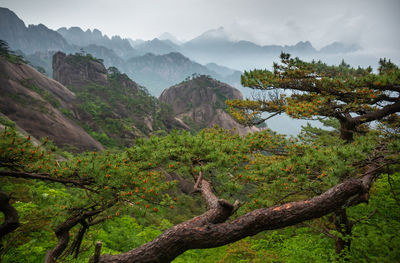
(200, 102)
(73, 70)
(108, 102)
(34, 102)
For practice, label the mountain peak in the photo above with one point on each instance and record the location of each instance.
(219, 34)
(339, 47)
(170, 37)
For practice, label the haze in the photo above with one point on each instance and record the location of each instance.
(371, 24)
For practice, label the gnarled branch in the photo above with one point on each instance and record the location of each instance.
(208, 230)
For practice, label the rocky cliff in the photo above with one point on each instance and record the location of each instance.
(115, 109)
(35, 103)
(200, 102)
(28, 39)
(78, 70)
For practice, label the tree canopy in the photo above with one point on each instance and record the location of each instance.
(310, 90)
(167, 196)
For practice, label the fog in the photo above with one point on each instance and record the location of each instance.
(371, 24)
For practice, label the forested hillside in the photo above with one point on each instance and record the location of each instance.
(326, 195)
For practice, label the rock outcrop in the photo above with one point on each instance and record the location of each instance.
(78, 70)
(34, 102)
(200, 102)
(109, 103)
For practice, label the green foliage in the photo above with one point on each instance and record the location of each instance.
(306, 90)
(10, 55)
(82, 57)
(139, 187)
(6, 121)
(41, 70)
(120, 111)
(43, 93)
(121, 234)
(376, 238)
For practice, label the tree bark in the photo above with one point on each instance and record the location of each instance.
(347, 129)
(207, 230)
(62, 233)
(344, 227)
(11, 221)
(76, 245)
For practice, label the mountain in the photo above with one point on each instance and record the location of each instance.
(136, 42)
(36, 104)
(111, 107)
(200, 103)
(217, 49)
(170, 37)
(163, 71)
(223, 71)
(41, 59)
(86, 106)
(212, 36)
(227, 75)
(157, 47)
(338, 47)
(29, 39)
(156, 72)
(219, 46)
(76, 36)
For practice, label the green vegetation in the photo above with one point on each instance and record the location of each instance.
(9, 54)
(82, 57)
(42, 92)
(4, 120)
(127, 197)
(119, 111)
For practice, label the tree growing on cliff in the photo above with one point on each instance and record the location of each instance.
(284, 182)
(100, 186)
(310, 90)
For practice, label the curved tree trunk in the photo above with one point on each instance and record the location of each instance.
(62, 232)
(209, 229)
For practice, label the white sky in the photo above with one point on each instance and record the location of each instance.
(373, 24)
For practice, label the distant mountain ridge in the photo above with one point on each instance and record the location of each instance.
(87, 107)
(213, 47)
(29, 39)
(163, 71)
(218, 46)
(76, 36)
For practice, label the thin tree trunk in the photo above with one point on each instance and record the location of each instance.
(344, 227)
(347, 130)
(62, 232)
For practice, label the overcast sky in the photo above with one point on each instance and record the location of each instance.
(373, 24)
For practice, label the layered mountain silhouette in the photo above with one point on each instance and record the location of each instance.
(88, 107)
(197, 56)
